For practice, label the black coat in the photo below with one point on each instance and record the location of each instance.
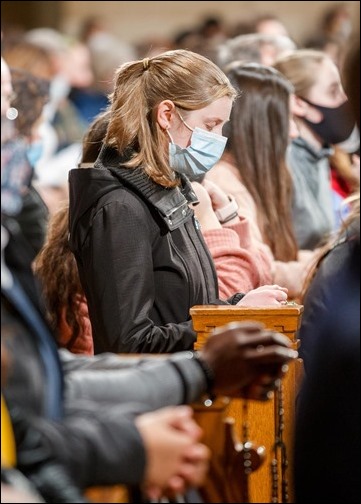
(327, 449)
(141, 257)
(95, 442)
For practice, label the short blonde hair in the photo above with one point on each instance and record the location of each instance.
(301, 68)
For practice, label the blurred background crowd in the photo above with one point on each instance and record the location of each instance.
(77, 47)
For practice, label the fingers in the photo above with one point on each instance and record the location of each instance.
(187, 426)
(267, 348)
(194, 474)
(175, 458)
(153, 492)
(176, 485)
(251, 332)
(267, 295)
(281, 296)
(262, 389)
(270, 354)
(264, 337)
(278, 294)
(272, 286)
(217, 195)
(175, 414)
(195, 465)
(240, 352)
(278, 287)
(191, 472)
(180, 418)
(197, 453)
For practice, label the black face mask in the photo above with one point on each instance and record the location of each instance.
(337, 123)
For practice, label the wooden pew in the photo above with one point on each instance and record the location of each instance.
(226, 480)
(108, 494)
(223, 422)
(272, 481)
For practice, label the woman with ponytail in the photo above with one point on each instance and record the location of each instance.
(139, 249)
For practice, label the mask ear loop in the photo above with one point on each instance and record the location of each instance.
(183, 121)
(170, 136)
(185, 124)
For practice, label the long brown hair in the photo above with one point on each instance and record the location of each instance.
(56, 268)
(258, 140)
(189, 80)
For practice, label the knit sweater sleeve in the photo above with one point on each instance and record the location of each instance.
(241, 265)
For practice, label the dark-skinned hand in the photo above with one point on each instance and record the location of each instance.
(247, 360)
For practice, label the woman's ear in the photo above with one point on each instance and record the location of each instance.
(301, 108)
(165, 113)
(298, 107)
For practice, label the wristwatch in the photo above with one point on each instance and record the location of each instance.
(228, 212)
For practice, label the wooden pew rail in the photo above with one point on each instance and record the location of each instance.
(261, 422)
(252, 469)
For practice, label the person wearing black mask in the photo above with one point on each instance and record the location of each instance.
(323, 118)
(328, 404)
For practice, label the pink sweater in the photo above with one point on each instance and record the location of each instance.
(241, 263)
(290, 274)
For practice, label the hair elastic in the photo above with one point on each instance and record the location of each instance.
(145, 63)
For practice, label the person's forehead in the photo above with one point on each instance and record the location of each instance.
(217, 109)
(330, 69)
(327, 74)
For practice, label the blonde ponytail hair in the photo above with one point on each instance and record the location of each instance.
(189, 80)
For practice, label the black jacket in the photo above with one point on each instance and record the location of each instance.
(96, 442)
(37, 461)
(327, 435)
(95, 438)
(141, 257)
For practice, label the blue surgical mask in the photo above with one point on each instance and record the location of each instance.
(200, 156)
(34, 153)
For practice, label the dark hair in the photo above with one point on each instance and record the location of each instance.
(259, 130)
(31, 94)
(351, 78)
(94, 137)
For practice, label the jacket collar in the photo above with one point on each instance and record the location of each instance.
(171, 203)
(325, 151)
